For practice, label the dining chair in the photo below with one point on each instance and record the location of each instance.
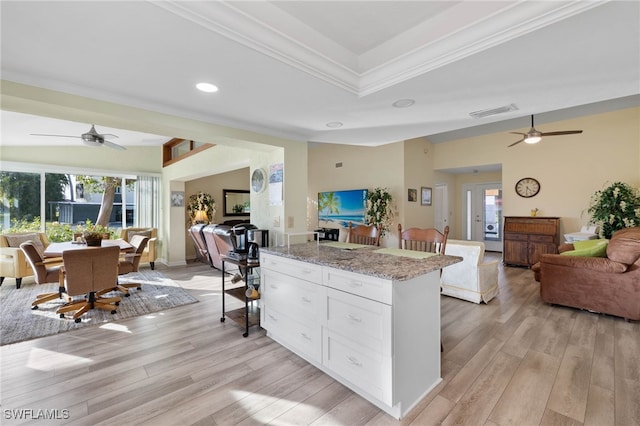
(45, 271)
(424, 239)
(86, 272)
(130, 262)
(363, 234)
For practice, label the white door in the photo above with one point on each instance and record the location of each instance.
(441, 205)
(482, 214)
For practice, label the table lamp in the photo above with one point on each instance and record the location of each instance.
(201, 217)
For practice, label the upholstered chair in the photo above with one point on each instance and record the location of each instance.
(129, 262)
(473, 279)
(87, 271)
(44, 272)
(13, 262)
(149, 255)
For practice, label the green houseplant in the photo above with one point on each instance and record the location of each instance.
(379, 210)
(615, 207)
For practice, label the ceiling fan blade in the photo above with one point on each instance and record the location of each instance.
(518, 133)
(516, 143)
(108, 134)
(56, 136)
(563, 132)
(114, 145)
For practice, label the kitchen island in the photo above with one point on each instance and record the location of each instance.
(366, 316)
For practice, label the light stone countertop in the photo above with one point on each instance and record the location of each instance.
(363, 260)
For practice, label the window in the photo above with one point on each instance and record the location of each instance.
(65, 200)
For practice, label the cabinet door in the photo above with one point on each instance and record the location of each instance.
(516, 252)
(537, 249)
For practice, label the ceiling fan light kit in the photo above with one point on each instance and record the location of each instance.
(534, 136)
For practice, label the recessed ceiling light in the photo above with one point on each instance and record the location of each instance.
(207, 87)
(403, 103)
(334, 124)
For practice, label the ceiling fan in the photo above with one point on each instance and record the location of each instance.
(534, 136)
(91, 138)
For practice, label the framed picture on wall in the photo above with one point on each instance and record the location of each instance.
(177, 199)
(425, 196)
(412, 195)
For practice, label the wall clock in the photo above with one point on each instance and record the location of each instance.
(527, 187)
(258, 180)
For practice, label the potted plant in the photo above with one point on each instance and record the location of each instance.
(379, 210)
(92, 234)
(614, 208)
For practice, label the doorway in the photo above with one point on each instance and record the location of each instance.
(441, 205)
(482, 214)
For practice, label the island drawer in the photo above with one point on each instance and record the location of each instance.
(303, 338)
(295, 268)
(361, 320)
(370, 371)
(299, 298)
(373, 288)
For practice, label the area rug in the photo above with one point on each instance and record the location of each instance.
(18, 322)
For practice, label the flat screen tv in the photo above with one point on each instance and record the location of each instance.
(338, 208)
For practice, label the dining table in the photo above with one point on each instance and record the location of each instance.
(56, 249)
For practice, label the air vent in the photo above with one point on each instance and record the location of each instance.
(487, 112)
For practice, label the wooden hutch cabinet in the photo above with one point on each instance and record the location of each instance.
(528, 237)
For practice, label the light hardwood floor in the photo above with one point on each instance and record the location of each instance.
(515, 361)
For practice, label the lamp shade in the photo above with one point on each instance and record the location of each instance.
(201, 216)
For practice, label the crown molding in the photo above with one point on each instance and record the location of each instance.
(459, 32)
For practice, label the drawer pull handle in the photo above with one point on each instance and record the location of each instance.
(354, 361)
(307, 271)
(305, 299)
(272, 318)
(273, 286)
(355, 284)
(304, 335)
(354, 318)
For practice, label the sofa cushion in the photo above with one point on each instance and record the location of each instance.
(600, 264)
(624, 246)
(588, 248)
(14, 240)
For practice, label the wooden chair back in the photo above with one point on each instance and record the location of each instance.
(423, 239)
(363, 234)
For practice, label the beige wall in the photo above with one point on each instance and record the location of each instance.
(456, 202)
(236, 179)
(569, 168)
(362, 168)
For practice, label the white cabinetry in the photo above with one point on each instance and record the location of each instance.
(380, 337)
(292, 304)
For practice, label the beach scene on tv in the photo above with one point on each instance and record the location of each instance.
(337, 208)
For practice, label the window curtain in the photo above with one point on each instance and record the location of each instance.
(148, 195)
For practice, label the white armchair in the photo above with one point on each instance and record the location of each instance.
(472, 279)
